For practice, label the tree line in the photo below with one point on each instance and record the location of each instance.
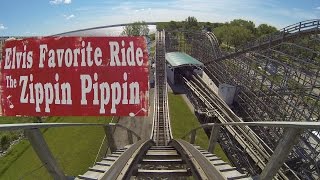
(233, 33)
(229, 34)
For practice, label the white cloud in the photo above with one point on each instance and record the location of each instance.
(69, 17)
(269, 11)
(28, 33)
(60, 2)
(2, 27)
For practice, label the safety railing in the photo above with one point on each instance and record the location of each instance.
(290, 138)
(109, 133)
(286, 32)
(41, 148)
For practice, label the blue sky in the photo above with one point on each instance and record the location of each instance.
(46, 17)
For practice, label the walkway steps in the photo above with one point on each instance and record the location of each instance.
(98, 170)
(163, 162)
(229, 172)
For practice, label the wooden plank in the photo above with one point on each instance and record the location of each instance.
(41, 148)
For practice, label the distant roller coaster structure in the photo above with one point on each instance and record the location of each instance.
(277, 79)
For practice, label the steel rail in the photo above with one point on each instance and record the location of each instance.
(246, 137)
(246, 133)
(209, 103)
(161, 130)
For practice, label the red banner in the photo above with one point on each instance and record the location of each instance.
(75, 76)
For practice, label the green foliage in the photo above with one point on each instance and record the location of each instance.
(4, 142)
(240, 35)
(74, 148)
(172, 25)
(249, 25)
(264, 29)
(136, 29)
(6, 137)
(191, 23)
(230, 34)
(161, 25)
(233, 35)
(152, 37)
(239, 31)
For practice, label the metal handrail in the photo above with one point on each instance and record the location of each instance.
(300, 23)
(36, 139)
(283, 124)
(202, 126)
(283, 149)
(102, 27)
(24, 126)
(125, 128)
(104, 138)
(288, 31)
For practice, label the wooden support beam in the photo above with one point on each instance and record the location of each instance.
(109, 133)
(130, 138)
(42, 150)
(213, 138)
(193, 136)
(283, 149)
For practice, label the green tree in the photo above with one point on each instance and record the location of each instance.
(264, 29)
(170, 26)
(173, 25)
(222, 34)
(233, 35)
(152, 36)
(4, 142)
(240, 35)
(162, 25)
(136, 29)
(215, 25)
(191, 23)
(244, 23)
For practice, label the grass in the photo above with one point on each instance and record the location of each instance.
(11, 120)
(183, 120)
(74, 148)
(12, 135)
